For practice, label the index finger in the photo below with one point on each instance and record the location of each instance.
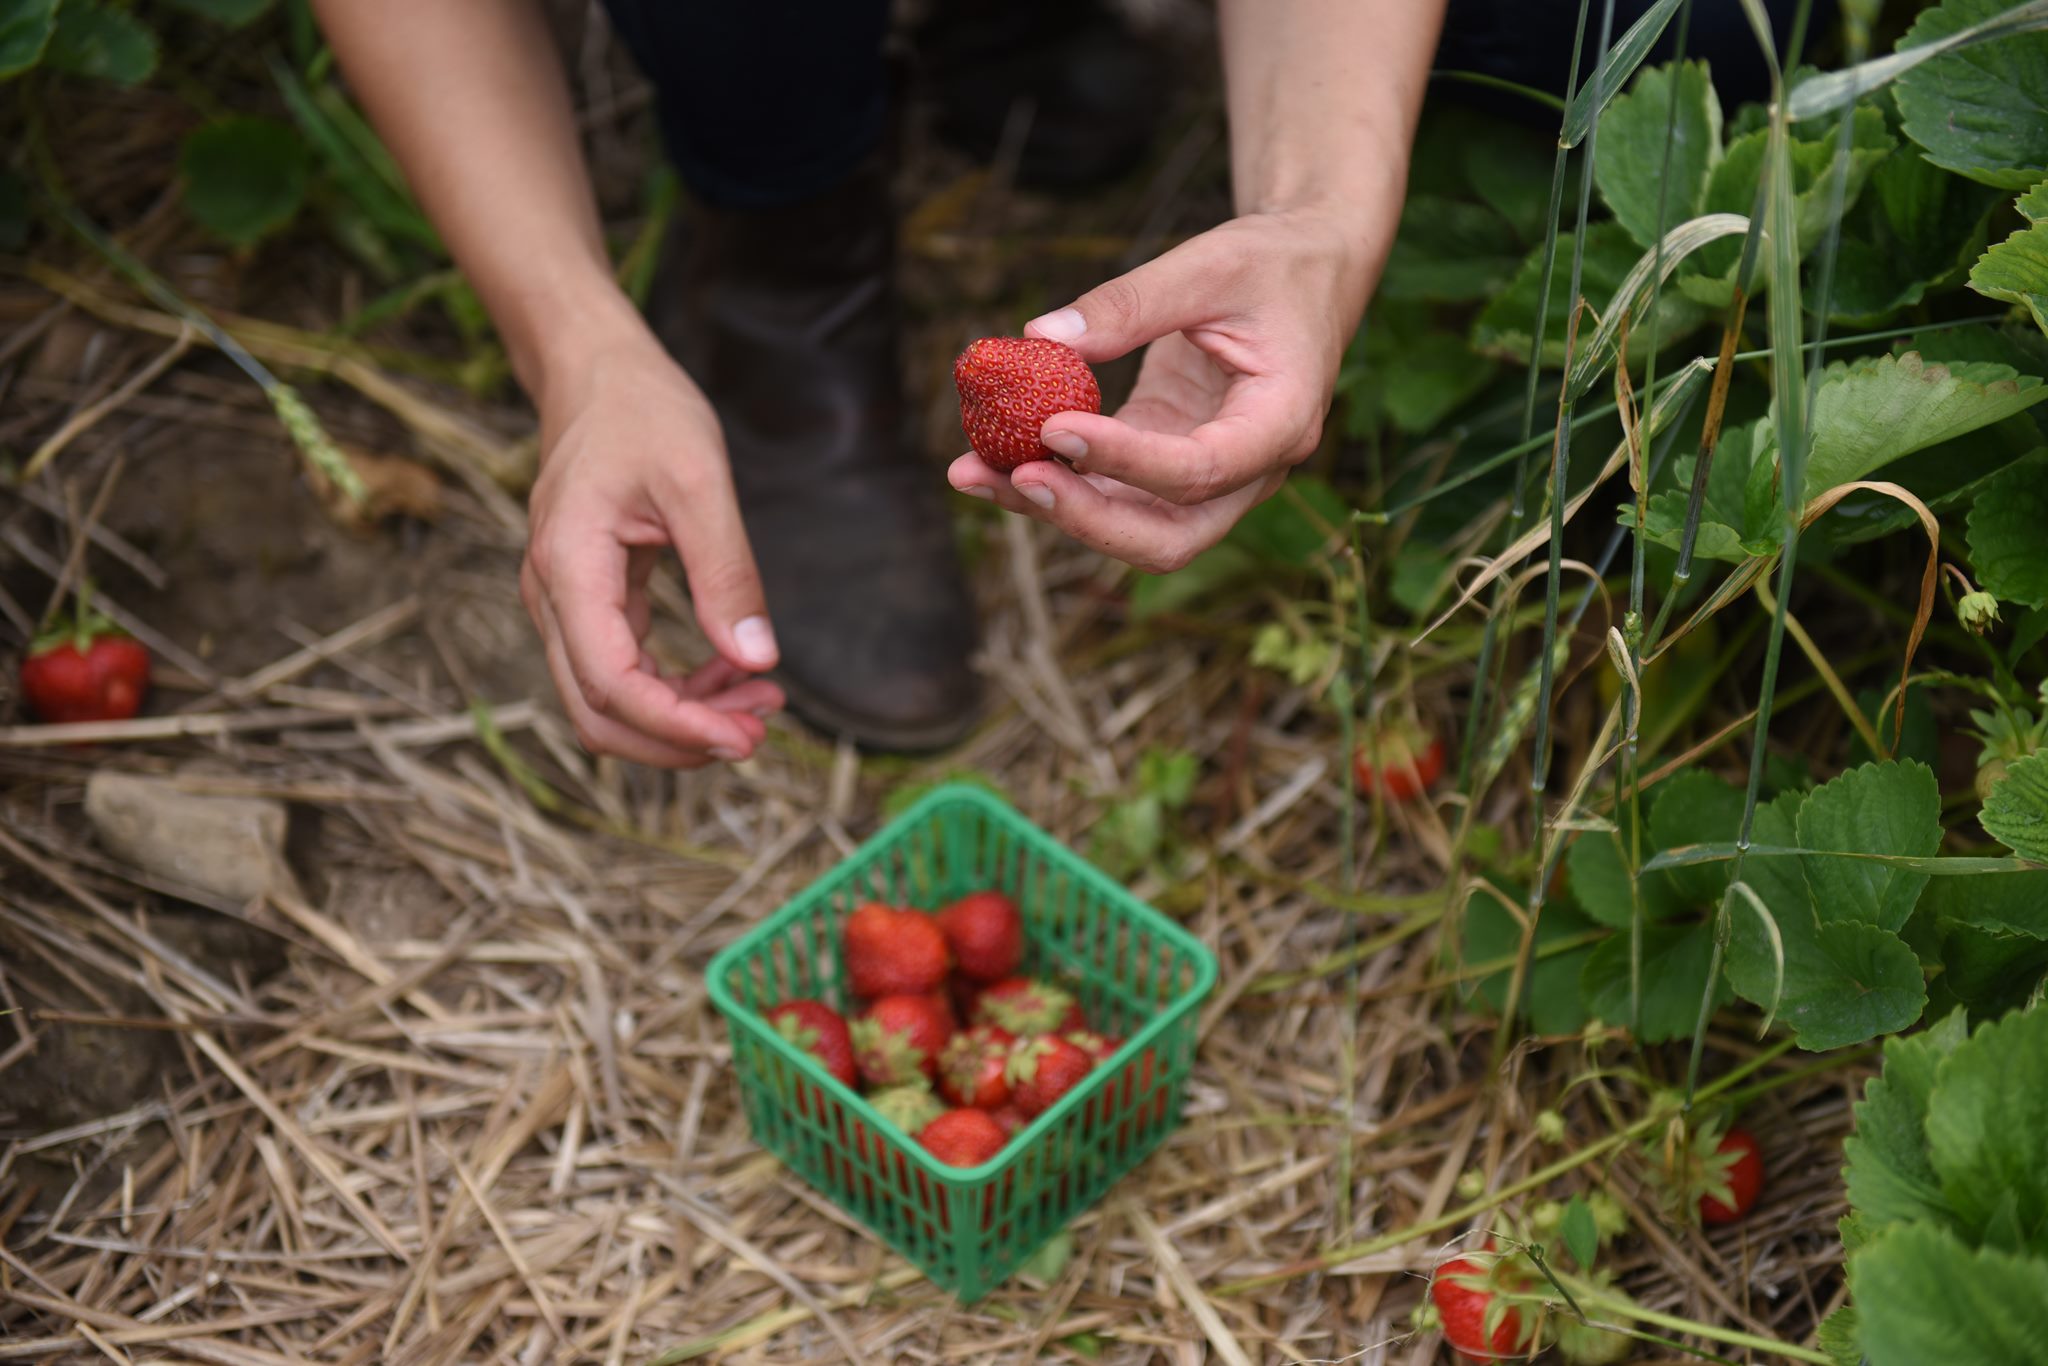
(1263, 427)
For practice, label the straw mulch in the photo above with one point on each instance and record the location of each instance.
(452, 1090)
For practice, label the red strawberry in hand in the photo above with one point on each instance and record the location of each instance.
(899, 1038)
(1009, 386)
(1042, 1070)
(971, 1069)
(1736, 1171)
(891, 952)
(85, 672)
(986, 935)
(1026, 1007)
(963, 1138)
(817, 1029)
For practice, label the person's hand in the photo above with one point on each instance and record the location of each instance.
(632, 463)
(1247, 324)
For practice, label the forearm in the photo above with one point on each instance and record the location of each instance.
(1324, 96)
(471, 98)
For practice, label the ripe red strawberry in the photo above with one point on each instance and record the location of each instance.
(1026, 1007)
(1010, 1117)
(819, 1030)
(1009, 386)
(1096, 1046)
(1399, 761)
(908, 1108)
(1043, 1069)
(85, 672)
(1736, 1172)
(971, 1069)
(889, 952)
(986, 935)
(963, 1138)
(899, 1038)
(1477, 1328)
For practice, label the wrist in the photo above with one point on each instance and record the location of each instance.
(559, 332)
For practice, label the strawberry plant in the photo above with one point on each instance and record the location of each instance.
(1947, 1232)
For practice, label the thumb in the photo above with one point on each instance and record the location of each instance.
(1119, 316)
(725, 587)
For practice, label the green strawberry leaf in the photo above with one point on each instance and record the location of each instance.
(1987, 1133)
(1723, 514)
(2017, 813)
(1882, 808)
(1991, 971)
(1504, 327)
(2006, 903)
(1915, 227)
(1449, 251)
(1889, 1174)
(1600, 883)
(1550, 998)
(1632, 154)
(97, 40)
(1695, 807)
(2016, 270)
(1676, 960)
(1838, 1337)
(1870, 412)
(1844, 981)
(244, 177)
(1580, 1232)
(1923, 1296)
(2006, 544)
(1980, 111)
(25, 29)
(1731, 188)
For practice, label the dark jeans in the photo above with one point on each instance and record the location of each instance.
(768, 102)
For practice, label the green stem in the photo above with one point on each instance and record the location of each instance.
(1386, 1242)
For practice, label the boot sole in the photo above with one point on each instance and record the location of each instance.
(829, 718)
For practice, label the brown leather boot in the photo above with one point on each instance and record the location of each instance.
(787, 319)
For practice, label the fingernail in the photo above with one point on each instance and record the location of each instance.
(1037, 493)
(761, 713)
(730, 756)
(979, 491)
(1062, 325)
(756, 641)
(1064, 443)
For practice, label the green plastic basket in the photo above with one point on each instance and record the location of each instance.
(1138, 976)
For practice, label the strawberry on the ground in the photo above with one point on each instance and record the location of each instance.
(891, 952)
(971, 1067)
(899, 1038)
(986, 935)
(85, 671)
(1043, 1069)
(819, 1030)
(1025, 1007)
(1479, 1326)
(1009, 386)
(964, 1137)
(1399, 761)
(1734, 1177)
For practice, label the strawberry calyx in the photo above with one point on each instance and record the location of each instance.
(85, 625)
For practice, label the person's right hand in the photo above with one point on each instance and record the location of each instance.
(632, 461)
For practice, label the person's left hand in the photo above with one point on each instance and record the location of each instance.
(1247, 323)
